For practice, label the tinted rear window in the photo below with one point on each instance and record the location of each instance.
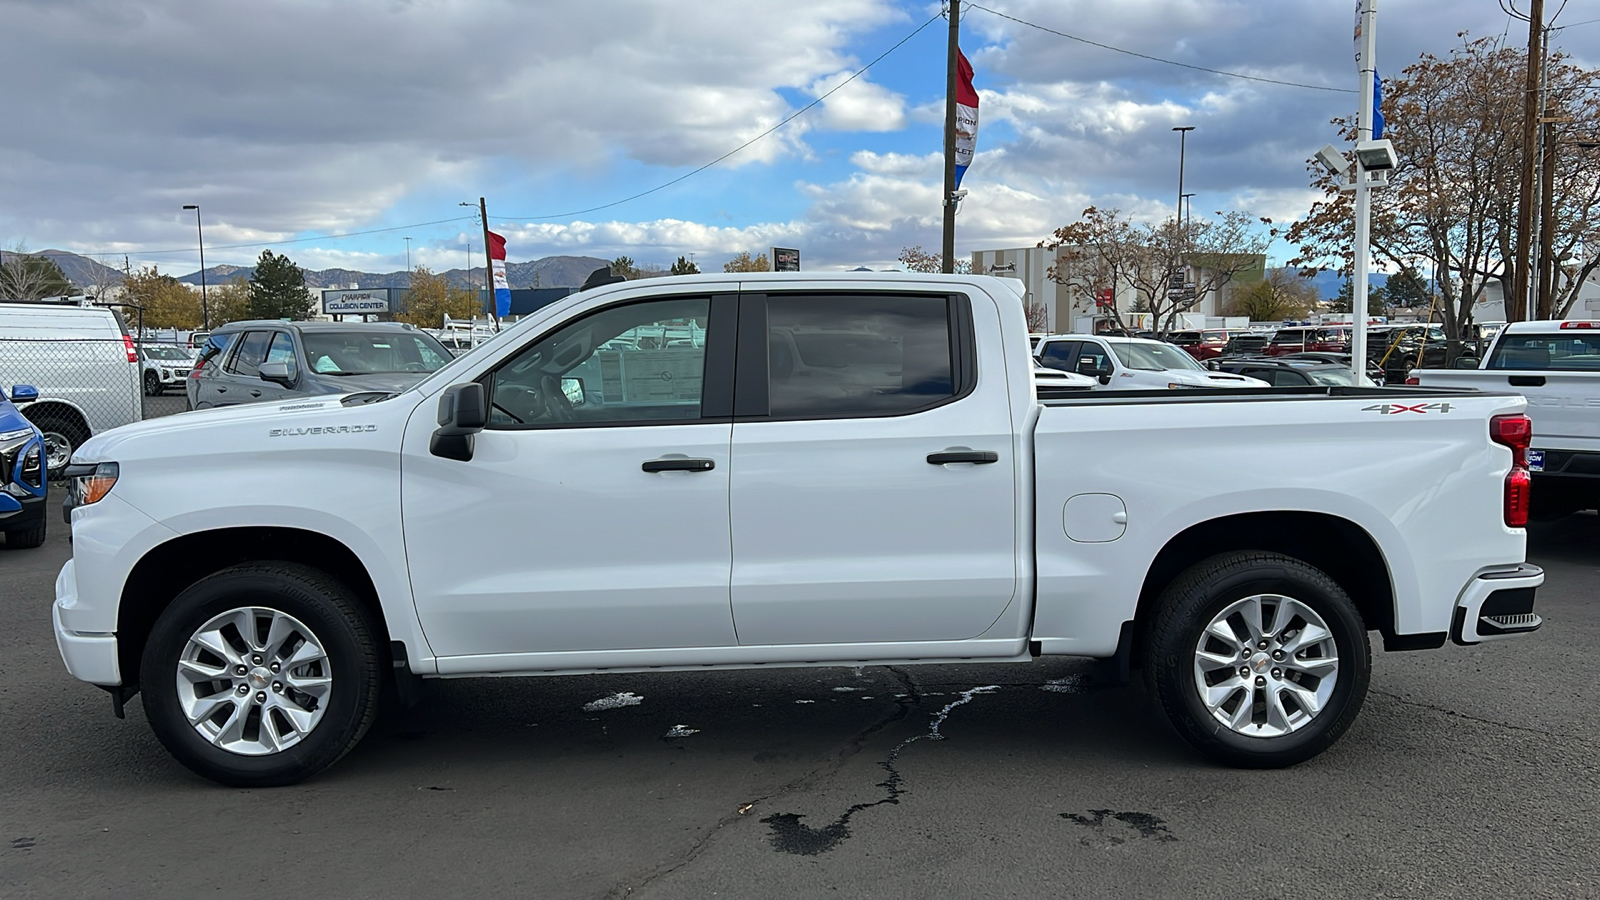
(1556, 352)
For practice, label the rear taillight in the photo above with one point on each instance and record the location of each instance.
(198, 365)
(1515, 432)
(1414, 380)
(133, 354)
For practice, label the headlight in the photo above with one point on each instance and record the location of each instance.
(32, 464)
(92, 487)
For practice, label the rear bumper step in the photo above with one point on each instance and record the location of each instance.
(1498, 605)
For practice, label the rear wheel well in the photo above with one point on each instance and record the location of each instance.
(1338, 547)
(167, 570)
(65, 414)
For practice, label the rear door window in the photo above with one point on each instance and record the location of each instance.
(843, 356)
(252, 350)
(282, 350)
(1060, 354)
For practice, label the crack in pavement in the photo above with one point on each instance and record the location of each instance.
(1471, 718)
(790, 835)
(903, 706)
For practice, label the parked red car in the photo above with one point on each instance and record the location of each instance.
(1310, 339)
(1202, 345)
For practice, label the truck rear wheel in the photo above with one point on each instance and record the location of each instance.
(262, 674)
(1258, 659)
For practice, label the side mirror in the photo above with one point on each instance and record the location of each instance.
(1466, 362)
(24, 393)
(277, 373)
(573, 389)
(1105, 379)
(1213, 365)
(463, 413)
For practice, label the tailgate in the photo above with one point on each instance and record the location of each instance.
(1564, 406)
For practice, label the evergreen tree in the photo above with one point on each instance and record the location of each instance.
(1408, 288)
(278, 289)
(685, 267)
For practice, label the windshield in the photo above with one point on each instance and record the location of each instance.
(1558, 352)
(372, 352)
(171, 353)
(1153, 357)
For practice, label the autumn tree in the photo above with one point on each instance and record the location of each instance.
(1450, 205)
(160, 301)
(916, 259)
(1281, 295)
(28, 276)
(431, 299)
(229, 302)
(1106, 251)
(745, 263)
(685, 267)
(278, 289)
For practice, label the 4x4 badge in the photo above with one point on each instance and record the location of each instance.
(1394, 409)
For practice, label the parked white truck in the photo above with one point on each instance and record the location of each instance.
(1556, 366)
(849, 470)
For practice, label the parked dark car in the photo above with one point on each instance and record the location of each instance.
(1310, 338)
(1281, 372)
(258, 362)
(1340, 359)
(1398, 349)
(1247, 343)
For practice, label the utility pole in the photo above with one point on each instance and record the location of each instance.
(948, 250)
(1519, 304)
(1366, 51)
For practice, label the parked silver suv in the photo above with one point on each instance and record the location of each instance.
(263, 361)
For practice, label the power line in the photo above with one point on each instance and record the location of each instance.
(1170, 62)
(795, 115)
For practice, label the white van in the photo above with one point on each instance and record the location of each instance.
(84, 364)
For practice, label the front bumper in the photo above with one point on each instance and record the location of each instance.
(27, 511)
(90, 657)
(1497, 605)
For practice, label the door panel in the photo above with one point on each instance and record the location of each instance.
(592, 517)
(843, 531)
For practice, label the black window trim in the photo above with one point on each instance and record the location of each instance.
(752, 402)
(719, 366)
(238, 344)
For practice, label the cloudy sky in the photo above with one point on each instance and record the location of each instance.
(296, 122)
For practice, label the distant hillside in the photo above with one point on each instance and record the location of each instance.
(1328, 282)
(551, 271)
(80, 270)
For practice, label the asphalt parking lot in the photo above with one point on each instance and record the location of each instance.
(1472, 772)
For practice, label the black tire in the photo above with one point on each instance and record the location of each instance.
(1203, 592)
(339, 624)
(152, 384)
(59, 429)
(24, 538)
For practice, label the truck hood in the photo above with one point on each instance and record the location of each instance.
(382, 381)
(125, 442)
(1214, 379)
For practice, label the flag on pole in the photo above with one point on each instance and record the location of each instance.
(1377, 105)
(966, 115)
(502, 287)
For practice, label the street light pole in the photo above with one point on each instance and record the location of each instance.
(1188, 208)
(408, 262)
(205, 308)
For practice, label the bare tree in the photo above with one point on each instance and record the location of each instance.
(28, 276)
(916, 259)
(1170, 267)
(1450, 206)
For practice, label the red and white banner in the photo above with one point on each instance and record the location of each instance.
(966, 116)
(497, 264)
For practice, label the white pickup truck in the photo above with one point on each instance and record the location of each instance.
(848, 470)
(1556, 366)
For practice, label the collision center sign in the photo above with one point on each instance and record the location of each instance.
(370, 300)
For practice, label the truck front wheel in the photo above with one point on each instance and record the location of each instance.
(1258, 659)
(261, 674)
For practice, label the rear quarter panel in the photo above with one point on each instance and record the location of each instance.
(1427, 487)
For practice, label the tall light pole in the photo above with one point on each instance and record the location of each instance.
(1183, 138)
(205, 308)
(408, 261)
(1188, 209)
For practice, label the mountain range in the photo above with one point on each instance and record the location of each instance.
(551, 271)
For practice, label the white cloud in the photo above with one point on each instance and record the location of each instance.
(859, 105)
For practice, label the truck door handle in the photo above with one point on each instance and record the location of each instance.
(255, 393)
(678, 464)
(979, 457)
(1526, 380)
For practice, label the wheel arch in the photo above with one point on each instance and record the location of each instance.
(1337, 546)
(49, 406)
(167, 569)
